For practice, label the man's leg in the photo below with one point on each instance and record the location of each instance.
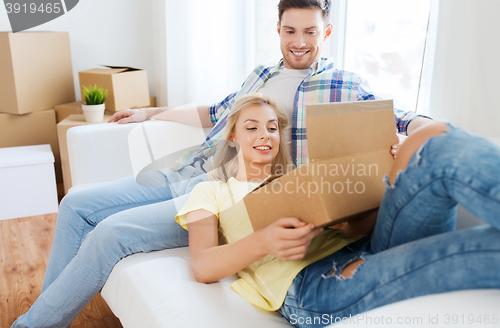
(451, 168)
(140, 229)
(81, 211)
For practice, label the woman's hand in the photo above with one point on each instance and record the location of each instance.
(288, 239)
(395, 147)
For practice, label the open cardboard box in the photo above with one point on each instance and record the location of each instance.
(127, 86)
(349, 153)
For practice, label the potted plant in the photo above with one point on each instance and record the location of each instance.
(93, 108)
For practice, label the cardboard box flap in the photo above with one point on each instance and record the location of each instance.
(102, 71)
(122, 69)
(329, 124)
(284, 197)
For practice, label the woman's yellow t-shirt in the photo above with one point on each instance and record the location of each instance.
(265, 282)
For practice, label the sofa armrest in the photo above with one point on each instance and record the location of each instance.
(106, 152)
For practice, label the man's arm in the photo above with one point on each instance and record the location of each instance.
(194, 116)
(406, 122)
(189, 115)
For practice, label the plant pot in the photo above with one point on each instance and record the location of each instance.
(93, 113)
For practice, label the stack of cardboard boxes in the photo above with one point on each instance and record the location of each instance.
(37, 91)
(35, 75)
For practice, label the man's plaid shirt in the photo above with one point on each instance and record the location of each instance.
(323, 84)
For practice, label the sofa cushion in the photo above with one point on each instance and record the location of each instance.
(459, 309)
(159, 289)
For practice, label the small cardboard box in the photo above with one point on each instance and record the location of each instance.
(35, 71)
(65, 110)
(31, 129)
(349, 154)
(62, 129)
(28, 185)
(127, 87)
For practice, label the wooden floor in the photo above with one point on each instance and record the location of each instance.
(24, 251)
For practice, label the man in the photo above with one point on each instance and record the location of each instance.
(97, 227)
(303, 29)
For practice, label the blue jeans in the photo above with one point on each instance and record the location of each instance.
(96, 228)
(414, 249)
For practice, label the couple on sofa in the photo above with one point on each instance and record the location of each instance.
(412, 250)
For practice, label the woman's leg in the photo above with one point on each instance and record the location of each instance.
(451, 168)
(80, 211)
(420, 203)
(140, 229)
(457, 260)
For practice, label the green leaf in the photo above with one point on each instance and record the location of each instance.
(94, 95)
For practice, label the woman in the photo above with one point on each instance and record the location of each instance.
(314, 277)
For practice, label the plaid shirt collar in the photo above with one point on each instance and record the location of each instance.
(317, 67)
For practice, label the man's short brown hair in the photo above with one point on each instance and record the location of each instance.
(323, 5)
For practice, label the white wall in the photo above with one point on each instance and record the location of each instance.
(466, 75)
(206, 49)
(105, 32)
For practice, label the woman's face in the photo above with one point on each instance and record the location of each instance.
(256, 132)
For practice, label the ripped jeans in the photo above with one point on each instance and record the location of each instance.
(414, 249)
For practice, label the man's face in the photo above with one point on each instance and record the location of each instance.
(302, 34)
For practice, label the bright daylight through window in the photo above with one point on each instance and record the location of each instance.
(384, 44)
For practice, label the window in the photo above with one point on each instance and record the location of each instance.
(384, 43)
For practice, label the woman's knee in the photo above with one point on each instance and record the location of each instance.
(412, 144)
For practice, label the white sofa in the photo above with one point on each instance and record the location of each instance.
(158, 289)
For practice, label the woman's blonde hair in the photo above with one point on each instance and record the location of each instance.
(225, 162)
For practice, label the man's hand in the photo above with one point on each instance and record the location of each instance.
(134, 115)
(288, 239)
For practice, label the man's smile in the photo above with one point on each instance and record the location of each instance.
(299, 53)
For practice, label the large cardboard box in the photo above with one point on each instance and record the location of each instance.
(28, 185)
(36, 128)
(35, 71)
(127, 87)
(349, 154)
(62, 129)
